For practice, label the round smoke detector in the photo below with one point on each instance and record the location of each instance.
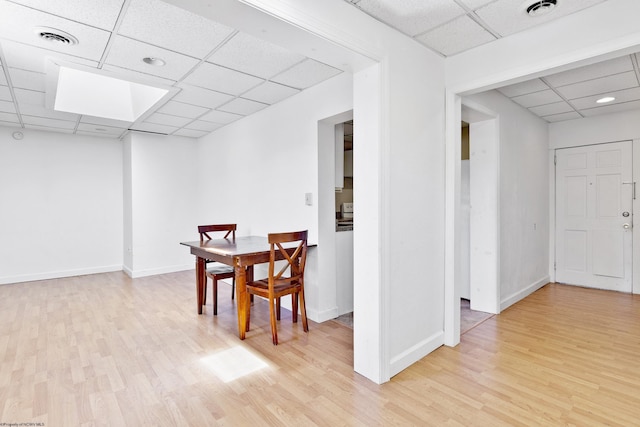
(542, 7)
(54, 35)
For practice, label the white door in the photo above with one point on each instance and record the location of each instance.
(594, 195)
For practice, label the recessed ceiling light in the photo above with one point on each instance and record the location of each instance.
(542, 7)
(54, 35)
(156, 62)
(605, 100)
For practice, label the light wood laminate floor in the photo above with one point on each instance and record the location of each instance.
(108, 350)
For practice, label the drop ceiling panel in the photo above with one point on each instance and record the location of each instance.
(3, 79)
(45, 122)
(181, 109)
(549, 109)
(537, 98)
(7, 107)
(105, 122)
(200, 96)
(190, 133)
(254, 56)
(412, 17)
(35, 59)
(615, 108)
(24, 96)
(27, 79)
(461, 34)
(562, 117)
(9, 117)
(166, 119)
(621, 96)
(494, 14)
(530, 86)
(128, 53)
(137, 76)
(475, 4)
(155, 128)
(5, 94)
(164, 25)
(590, 72)
(241, 106)
(48, 129)
(270, 93)
(100, 130)
(203, 126)
(222, 79)
(306, 74)
(104, 16)
(602, 85)
(41, 111)
(18, 22)
(220, 117)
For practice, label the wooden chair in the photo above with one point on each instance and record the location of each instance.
(215, 270)
(278, 284)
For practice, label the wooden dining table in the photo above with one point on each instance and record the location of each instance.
(242, 253)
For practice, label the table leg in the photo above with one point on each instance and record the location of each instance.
(200, 279)
(241, 295)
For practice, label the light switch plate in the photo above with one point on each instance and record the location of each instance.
(308, 199)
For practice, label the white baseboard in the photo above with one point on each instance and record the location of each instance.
(322, 316)
(415, 353)
(134, 274)
(58, 274)
(514, 298)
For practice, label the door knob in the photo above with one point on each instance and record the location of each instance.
(626, 226)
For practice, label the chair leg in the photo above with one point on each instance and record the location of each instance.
(233, 288)
(248, 311)
(278, 308)
(303, 310)
(294, 307)
(204, 297)
(215, 297)
(272, 314)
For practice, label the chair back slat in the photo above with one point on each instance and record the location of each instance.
(295, 262)
(204, 230)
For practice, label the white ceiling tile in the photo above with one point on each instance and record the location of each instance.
(590, 72)
(270, 93)
(222, 79)
(128, 53)
(133, 75)
(615, 108)
(17, 23)
(24, 96)
(306, 74)
(474, 4)
(7, 107)
(166, 119)
(99, 134)
(33, 58)
(156, 128)
(100, 129)
(602, 85)
(201, 125)
(170, 27)
(243, 106)
(537, 98)
(48, 129)
(412, 17)
(92, 120)
(46, 122)
(181, 109)
(190, 133)
(103, 16)
(254, 56)
(5, 94)
(621, 96)
(42, 111)
(27, 79)
(3, 78)
(510, 16)
(562, 117)
(530, 86)
(456, 36)
(9, 117)
(220, 117)
(549, 109)
(200, 96)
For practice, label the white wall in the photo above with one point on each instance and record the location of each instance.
(162, 193)
(622, 126)
(61, 205)
(523, 192)
(260, 168)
